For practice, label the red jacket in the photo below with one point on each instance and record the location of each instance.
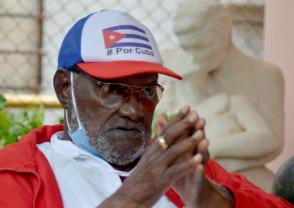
(27, 180)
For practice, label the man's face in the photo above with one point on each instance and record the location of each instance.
(119, 133)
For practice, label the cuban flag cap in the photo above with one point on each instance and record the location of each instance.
(111, 44)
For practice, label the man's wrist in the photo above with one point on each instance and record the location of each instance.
(210, 195)
(126, 202)
(118, 200)
(222, 193)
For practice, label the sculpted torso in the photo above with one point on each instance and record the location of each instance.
(241, 98)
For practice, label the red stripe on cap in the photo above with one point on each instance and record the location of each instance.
(119, 69)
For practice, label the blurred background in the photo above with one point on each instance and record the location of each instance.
(31, 32)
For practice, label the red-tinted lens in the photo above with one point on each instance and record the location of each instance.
(150, 96)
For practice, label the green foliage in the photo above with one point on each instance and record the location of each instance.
(15, 125)
(61, 120)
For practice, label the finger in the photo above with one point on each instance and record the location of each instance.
(200, 124)
(162, 160)
(200, 136)
(203, 150)
(161, 123)
(175, 172)
(180, 128)
(200, 170)
(180, 115)
(178, 149)
(180, 132)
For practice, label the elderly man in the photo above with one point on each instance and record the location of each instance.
(106, 81)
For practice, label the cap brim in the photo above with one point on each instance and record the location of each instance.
(119, 69)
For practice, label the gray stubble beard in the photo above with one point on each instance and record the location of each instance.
(113, 154)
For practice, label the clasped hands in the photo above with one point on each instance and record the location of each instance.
(176, 159)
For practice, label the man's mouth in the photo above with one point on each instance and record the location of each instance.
(126, 129)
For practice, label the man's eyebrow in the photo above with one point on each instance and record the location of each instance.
(154, 82)
(151, 82)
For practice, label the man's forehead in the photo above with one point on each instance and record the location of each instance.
(138, 80)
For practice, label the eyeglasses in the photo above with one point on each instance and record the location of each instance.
(113, 95)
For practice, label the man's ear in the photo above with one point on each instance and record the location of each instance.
(61, 83)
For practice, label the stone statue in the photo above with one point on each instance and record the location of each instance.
(240, 97)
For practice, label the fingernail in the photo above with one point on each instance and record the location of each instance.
(192, 117)
(197, 158)
(197, 135)
(185, 109)
(200, 123)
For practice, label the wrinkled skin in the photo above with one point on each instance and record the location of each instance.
(122, 135)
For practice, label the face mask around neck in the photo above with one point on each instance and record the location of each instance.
(79, 137)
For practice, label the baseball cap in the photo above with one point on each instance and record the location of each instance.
(111, 44)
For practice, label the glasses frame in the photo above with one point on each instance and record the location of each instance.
(133, 88)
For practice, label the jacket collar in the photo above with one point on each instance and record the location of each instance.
(21, 155)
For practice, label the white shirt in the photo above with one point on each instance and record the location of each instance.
(84, 180)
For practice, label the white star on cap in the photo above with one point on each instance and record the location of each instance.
(112, 37)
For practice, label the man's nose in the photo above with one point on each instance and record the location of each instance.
(132, 109)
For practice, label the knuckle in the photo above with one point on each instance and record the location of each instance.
(191, 118)
(173, 150)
